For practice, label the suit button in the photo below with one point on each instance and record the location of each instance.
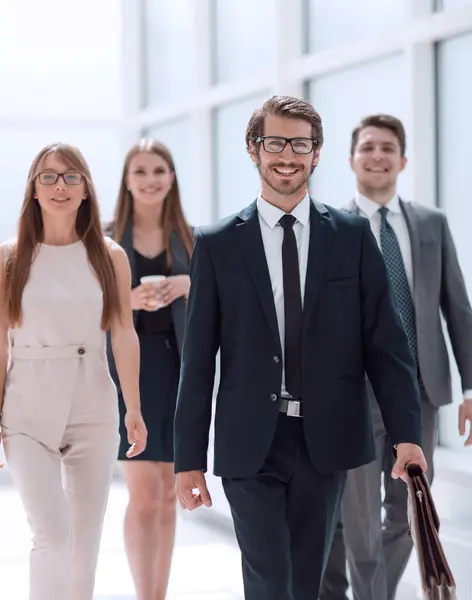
(274, 397)
(81, 350)
(276, 359)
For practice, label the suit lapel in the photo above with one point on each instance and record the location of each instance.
(180, 266)
(351, 207)
(412, 223)
(126, 243)
(180, 262)
(320, 240)
(249, 232)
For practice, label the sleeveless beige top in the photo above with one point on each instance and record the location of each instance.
(58, 373)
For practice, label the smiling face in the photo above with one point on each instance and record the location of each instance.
(377, 161)
(59, 189)
(149, 178)
(286, 173)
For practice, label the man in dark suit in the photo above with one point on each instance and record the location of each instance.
(422, 262)
(296, 297)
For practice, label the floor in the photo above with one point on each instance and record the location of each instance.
(206, 561)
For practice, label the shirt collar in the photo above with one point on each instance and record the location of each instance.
(370, 208)
(272, 214)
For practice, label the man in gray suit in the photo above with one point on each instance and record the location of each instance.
(427, 281)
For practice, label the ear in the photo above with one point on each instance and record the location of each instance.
(351, 162)
(404, 162)
(252, 151)
(316, 157)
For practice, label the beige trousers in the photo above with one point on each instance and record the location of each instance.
(65, 494)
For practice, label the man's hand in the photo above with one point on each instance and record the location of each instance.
(408, 453)
(465, 414)
(192, 490)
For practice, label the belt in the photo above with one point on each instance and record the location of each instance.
(292, 408)
(47, 352)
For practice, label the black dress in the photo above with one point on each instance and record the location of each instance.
(159, 373)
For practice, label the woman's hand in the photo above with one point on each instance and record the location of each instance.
(144, 297)
(137, 432)
(173, 287)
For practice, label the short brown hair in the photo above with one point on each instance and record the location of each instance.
(284, 106)
(382, 122)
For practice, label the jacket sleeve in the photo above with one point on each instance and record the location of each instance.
(389, 363)
(455, 307)
(202, 341)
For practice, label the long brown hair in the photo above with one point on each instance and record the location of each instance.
(172, 219)
(31, 233)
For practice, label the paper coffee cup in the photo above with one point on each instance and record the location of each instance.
(155, 280)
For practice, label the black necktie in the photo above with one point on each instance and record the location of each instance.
(292, 308)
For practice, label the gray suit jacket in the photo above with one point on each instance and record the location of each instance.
(438, 288)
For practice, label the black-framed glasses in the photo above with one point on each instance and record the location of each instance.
(276, 144)
(70, 178)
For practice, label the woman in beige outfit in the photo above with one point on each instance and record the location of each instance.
(63, 285)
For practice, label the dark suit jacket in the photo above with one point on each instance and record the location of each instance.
(351, 326)
(438, 288)
(180, 266)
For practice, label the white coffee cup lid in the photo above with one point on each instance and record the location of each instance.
(152, 278)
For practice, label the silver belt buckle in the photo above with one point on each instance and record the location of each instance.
(293, 408)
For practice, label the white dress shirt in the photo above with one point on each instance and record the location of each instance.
(396, 219)
(272, 238)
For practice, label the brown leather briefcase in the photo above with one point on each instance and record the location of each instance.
(436, 577)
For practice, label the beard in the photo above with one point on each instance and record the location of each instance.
(290, 185)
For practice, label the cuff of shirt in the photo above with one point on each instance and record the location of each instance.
(467, 394)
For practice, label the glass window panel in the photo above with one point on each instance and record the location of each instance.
(18, 148)
(449, 4)
(244, 34)
(371, 88)
(455, 178)
(454, 147)
(61, 60)
(337, 22)
(169, 50)
(237, 179)
(177, 136)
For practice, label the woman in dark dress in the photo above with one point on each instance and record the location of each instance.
(149, 224)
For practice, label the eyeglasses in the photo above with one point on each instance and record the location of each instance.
(68, 178)
(275, 144)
